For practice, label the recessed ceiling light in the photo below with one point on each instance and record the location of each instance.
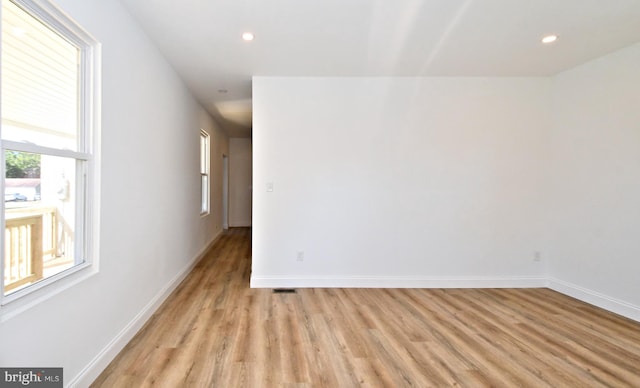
(248, 36)
(549, 38)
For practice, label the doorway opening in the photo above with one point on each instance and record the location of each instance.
(225, 192)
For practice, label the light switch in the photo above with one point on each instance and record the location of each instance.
(269, 187)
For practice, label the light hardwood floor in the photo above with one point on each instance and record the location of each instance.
(214, 331)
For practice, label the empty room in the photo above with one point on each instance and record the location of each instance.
(322, 193)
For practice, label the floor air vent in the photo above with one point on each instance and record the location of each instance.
(284, 290)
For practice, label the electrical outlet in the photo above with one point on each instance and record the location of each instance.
(537, 256)
(300, 256)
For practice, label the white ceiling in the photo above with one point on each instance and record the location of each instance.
(202, 40)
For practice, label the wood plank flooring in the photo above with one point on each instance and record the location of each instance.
(214, 331)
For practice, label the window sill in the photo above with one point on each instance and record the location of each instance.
(23, 300)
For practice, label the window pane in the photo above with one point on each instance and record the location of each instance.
(39, 82)
(204, 182)
(40, 202)
(204, 151)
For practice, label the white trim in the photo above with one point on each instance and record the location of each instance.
(396, 282)
(597, 299)
(39, 293)
(85, 268)
(50, 14)
(99, 363)
(3, 221)
(37, 149)
(603, 301)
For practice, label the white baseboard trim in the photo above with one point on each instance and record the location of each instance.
(106, 355)
(396, 282)
(608, 303)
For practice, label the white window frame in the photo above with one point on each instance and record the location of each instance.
(205, 173)
(87, 210)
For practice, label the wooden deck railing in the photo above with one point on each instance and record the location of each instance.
(30, 237)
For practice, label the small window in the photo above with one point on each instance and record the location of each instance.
(48, 129)
(204, 172)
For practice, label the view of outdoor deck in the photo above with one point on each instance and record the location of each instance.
(37, 245)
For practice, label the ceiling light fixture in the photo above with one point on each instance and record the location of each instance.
(248, 36)
(549, 38)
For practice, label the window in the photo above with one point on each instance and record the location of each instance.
(49, 124)
(204, 172)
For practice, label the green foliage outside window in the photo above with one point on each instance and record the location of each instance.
(22, 165)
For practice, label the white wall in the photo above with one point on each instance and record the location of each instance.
(399, 182)
(452, 182)
(239, 182)
(151, 230)
(595, 221)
